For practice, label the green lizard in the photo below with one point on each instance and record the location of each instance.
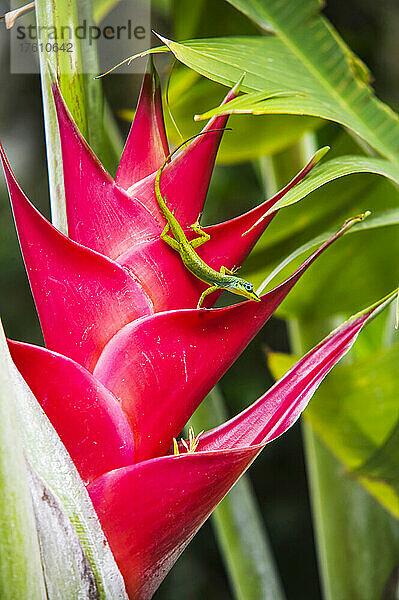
(223, 279)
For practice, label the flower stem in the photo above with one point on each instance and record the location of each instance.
(239, 530)
(102, 132)
(68, 68)
(82, 93)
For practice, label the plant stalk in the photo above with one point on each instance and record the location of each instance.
(82, 93)
(67, 66)
(239, 530)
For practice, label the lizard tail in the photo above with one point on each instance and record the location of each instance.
(161, 200)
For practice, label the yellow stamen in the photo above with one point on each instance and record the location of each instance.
(191, 446)
(193, 439)
(184, 443)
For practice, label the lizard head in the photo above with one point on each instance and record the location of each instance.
(243, 288)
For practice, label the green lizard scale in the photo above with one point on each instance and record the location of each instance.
(203, 271)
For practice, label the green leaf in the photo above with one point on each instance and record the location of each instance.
(334, 169)
(249, 137)
(383, 465)
(356, 414)
(50, 460)
(325, 206)
(239, 531)
(360, 267)
(364, 263)
(383, 219)
(340, 74)
(245, 548)
(21, 574)
(307, 58)
(357, 539)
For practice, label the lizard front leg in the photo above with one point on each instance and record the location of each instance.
(225, 271)
(203, 236)
(205, 293)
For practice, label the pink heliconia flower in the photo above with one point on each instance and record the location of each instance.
(128, 357)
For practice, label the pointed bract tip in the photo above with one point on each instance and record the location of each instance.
(56, 91)
(51, 73)
(152, 77)
(187, 141)
(349, 223)
(236, 88)
(233, 92)
(383, 303)
(375, 309)
(153, 72)
(319, 155)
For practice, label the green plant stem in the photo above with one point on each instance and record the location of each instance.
(68, 68)
(102, 132)
(92, 86)
(75, 72)
(239, 530)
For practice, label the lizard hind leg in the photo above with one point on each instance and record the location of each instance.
(206, 293)
(168, 239)
(202, 235)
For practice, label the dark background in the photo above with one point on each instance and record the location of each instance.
(278, 475)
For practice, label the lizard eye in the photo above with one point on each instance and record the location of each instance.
(248, 287)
